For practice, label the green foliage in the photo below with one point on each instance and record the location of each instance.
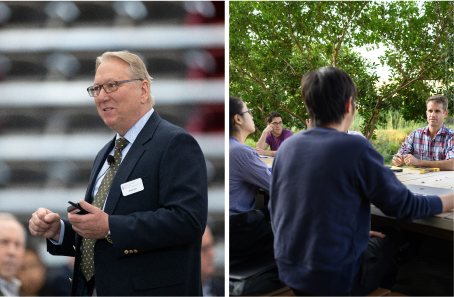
(273, 44)
(251, 142)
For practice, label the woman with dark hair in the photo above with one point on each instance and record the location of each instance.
(250, 230)
(247, 172)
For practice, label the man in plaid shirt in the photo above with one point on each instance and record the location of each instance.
(431, 146)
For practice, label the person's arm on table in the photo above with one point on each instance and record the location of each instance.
(448, 202)
(382, 188)
(262, 145)
(447, 164)
(406, 149)
(442, 164)
(265, 152)
(398, 160)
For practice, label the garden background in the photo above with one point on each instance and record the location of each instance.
(273, 44)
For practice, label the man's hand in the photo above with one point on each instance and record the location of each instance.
(268, 129)
(46, 224)
(93, 225)
(308, 124)
(376, 234)
(411, 160)
(260, 151)
(398, 161)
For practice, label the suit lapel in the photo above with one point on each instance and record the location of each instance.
(130, 161)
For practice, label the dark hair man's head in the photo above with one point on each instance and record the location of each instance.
(271, 115)
(325, 93)
(439, 99)
(275, 120)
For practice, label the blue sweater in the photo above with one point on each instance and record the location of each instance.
(323, 182)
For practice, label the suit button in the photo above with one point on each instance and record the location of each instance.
(135, 251)
(130, 251)
(126, 252)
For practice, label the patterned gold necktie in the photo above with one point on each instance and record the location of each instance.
(88, 245)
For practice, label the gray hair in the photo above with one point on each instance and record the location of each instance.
(5, 216)
(136, 67)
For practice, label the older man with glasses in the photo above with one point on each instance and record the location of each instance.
(146, 198)
(273, 135)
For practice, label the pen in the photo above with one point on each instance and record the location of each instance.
(397, 156)
(263, 157)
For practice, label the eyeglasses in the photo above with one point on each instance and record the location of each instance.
(275, 124)
(249, 111)
(109, 87)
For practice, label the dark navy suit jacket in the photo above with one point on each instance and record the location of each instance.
(156, 233)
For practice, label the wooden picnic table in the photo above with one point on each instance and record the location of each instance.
(433, 183)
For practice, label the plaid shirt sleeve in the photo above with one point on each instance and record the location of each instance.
(450, 147)
(407, 146)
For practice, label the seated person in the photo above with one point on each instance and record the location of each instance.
(273, 135)
(247, 172)
(320, 208)
(431, 146)
(250, 231)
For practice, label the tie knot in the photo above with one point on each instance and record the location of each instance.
(121, 143)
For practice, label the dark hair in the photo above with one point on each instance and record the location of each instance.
(235, 107)
(439, 99)
(271, 115)
(325, 93)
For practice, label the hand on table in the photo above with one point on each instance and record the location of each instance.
(398, 160)
(411, 160)
(93, 225)
(260, 151)
(46, 224)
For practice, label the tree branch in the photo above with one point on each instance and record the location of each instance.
(277, 55)
(344, 32)
(286, 110)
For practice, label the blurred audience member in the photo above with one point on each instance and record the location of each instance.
(32, 273)
(210, 286)
(12, 247)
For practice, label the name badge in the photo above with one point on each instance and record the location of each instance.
(132, 187)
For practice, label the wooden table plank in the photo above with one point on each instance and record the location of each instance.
(442, 179)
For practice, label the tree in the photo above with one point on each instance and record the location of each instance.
(272, 44)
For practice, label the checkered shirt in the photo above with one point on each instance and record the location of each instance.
(439, 148)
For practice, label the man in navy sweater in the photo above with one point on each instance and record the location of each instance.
(323, 183)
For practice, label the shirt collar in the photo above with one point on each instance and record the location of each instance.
(132, 134)
(233, 138)
(10, 288)
(441, 131)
